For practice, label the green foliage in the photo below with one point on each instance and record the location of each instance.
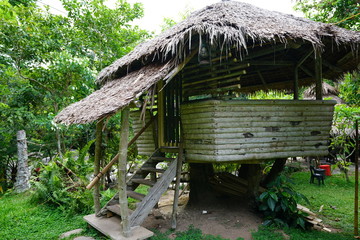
(266, 233)
(350, 89)
(56, 186)
(344, 13)
(49, 61)
(341, 139)
(226, 167)
(272, 94)
(191, 234)
(279, 204)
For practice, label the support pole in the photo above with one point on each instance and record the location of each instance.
(177, 187)
(318, 75)
(123, 147)
(296, 83)
(98, 151)
(356, 204)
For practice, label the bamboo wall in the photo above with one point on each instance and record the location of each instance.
(229, 131)
(145, 143)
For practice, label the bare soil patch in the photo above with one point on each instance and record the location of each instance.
(228, 217)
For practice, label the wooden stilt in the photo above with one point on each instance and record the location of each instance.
(318, 75)
(296, 83)
(177, 186)
(98, 141)
(123, 146)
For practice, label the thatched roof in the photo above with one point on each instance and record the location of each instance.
(327, 91)
(113, 95)
(227, 26)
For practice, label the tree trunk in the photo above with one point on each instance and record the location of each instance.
(200, 189)
(58, 135)
(3, 180)
(276, 169)
(23, 174)
(253, 177)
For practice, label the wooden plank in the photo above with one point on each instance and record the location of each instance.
(318, 75)
(111, 227)
(152, 169)
(214, 113)
(143, 181)
(250, 150)
(258, 124)
(256, 156)
(135, 195)
(208, 73)
(98, 154)
(193, 129)
(142, 211)
(255, 135)
(204, 146)
(260, 102)
(116, 209)
(177, 188)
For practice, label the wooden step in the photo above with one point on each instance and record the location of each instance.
(111, 227)
(153, 196)
(152, 169)
(135, 195)
(161, 159)
(143, 181)
(169, 149)
(116, 209)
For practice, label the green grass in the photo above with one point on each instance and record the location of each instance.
(336, 195)
(20, 219)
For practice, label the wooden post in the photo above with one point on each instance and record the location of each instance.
(296, 83)
(123, 148)
(98, 151)
(356, 204)
(160, 113)
(177, 186)
(23, 174)
(318, 75)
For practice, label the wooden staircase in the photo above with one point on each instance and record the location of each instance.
(147, 174)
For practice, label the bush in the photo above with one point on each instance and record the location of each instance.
(56, 186)
(279, 204)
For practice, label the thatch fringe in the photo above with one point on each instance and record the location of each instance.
(230, 25)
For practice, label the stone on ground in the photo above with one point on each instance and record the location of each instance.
(69, 233)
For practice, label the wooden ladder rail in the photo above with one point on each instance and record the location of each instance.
(116, 158)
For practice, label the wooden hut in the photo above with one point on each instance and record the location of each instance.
(187, 86)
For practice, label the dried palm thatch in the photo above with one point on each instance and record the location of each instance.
(327, 91)
(113, 95)
(225, 26)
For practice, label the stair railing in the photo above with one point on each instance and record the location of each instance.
(116, 158)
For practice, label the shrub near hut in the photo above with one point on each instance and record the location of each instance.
(279, 204)
(343, 132)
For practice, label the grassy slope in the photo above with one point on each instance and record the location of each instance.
(21, 219)
(336, 195)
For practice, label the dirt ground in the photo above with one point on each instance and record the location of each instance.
(229, 218)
